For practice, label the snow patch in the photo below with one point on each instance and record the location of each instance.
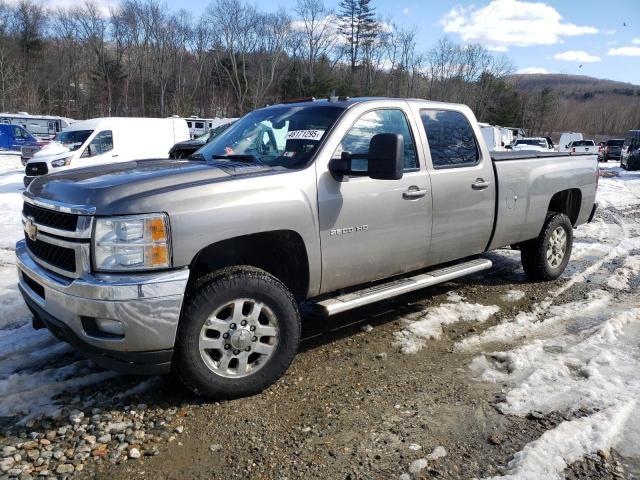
(548, 456)
(621, 276)
(412, 338)
(513, 295)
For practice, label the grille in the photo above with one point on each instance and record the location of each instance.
(50, 218)
(29, 151)
(60, 257)
(37, 168)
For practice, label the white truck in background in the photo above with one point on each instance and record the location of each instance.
(537, 144)
(566, 138)
(107, 140)
(583, 146)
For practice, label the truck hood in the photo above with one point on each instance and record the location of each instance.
(119, 188)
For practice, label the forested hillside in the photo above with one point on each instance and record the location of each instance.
(140, 59)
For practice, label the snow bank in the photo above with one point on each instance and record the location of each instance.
(411, 339)
(570, 441)
(11, 188)
(33, 367)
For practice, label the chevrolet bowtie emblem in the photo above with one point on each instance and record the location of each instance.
(31, 229)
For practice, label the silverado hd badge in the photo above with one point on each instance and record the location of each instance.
(343, 231)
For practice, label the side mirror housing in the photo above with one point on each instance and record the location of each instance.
(385, 159)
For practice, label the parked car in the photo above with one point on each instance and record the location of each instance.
(189, 147)
(630, 153)
(14, 137)
(566, 138)
(583, 146)
(537, 144)
(611, 150)
(106, 140)
(199, 267)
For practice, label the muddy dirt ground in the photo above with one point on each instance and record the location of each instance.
(352, 406)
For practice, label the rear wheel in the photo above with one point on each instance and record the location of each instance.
(238, 334)
(546, 257)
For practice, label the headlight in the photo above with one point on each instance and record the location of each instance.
(61, 162)
(133, 242)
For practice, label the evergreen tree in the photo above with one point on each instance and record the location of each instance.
(358, 26)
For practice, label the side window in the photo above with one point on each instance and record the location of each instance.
(101, 143)
(19, 133)
(451, 139)
(357, 139)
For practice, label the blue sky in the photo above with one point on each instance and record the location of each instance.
(538, 36)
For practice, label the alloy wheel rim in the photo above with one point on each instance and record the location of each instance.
(557, 247)
(238, 338)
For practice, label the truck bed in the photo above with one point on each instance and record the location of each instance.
(526, 182)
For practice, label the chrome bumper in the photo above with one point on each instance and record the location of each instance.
(148, 305)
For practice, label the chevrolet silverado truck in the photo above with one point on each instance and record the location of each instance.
(199, 265)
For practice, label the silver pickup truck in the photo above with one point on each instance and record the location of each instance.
(198, 265)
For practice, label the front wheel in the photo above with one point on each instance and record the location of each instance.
(238, 334)
(546, 257)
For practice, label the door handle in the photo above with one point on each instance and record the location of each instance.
(480, 184)
(414, 192)
(114, 155)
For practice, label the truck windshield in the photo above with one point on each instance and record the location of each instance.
(281, 135)
(73, 140)
(530, 141)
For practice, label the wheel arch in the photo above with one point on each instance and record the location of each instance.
(568, 202)
(282, 253)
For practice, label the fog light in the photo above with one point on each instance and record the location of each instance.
(112, 327)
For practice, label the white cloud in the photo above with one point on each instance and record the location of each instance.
(505, 23)
(609, 32)
(612, 42)
(533, 70)
(624, 52)
(636, 41)
(576, 56)
(406, 11)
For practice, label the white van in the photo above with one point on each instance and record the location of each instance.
(566, 138)
(492, 137)
(107, 140)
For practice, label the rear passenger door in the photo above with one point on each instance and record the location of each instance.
(462, 184)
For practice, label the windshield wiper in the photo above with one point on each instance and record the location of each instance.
(238, 157)
(196, 156)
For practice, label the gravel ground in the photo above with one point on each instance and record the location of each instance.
(351, 406)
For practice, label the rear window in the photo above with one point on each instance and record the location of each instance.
(615, 143)
(583, 143)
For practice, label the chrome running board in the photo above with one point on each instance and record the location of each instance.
(359, 298)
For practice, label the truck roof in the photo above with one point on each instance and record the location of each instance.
(346, 102)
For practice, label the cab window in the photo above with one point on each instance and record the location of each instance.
(20, 133)
(451, 139)
(101, 143)
(357, 139)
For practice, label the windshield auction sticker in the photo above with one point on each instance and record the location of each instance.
(305, 135)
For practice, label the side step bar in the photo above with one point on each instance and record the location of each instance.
(359, 298)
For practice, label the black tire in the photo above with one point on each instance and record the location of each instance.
(534, 252)
(225, 286)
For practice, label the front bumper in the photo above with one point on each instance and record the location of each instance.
(148, 306)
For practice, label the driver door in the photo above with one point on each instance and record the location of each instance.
(373, 229)
(100, 149)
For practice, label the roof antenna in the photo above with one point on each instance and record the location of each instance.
(332, 96)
